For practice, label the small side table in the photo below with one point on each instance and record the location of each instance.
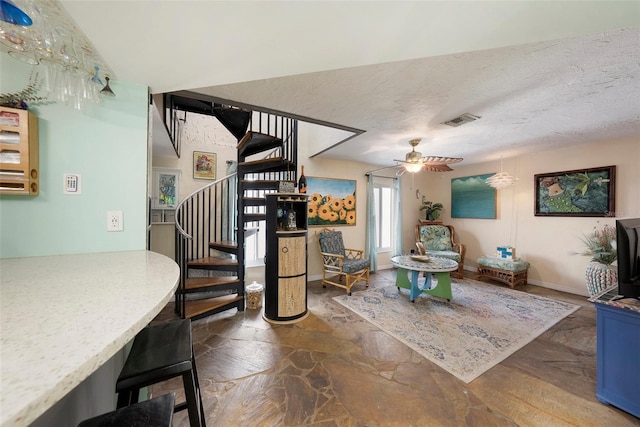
(438, 266)
(508, 271)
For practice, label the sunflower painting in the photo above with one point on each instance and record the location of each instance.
(331, 202)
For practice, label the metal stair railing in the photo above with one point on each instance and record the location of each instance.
(286, 129)
(173, 123)
(206, 215)
(216, 211)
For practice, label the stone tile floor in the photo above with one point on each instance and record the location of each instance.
(336, 369)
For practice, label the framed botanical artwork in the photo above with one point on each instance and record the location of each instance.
(581, 192)
(331, 202)
(204, 165)
(472, 197)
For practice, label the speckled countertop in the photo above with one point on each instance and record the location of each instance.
(62, 317)
(610, 297)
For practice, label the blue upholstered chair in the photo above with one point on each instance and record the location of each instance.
(339, 263)
(439, 240)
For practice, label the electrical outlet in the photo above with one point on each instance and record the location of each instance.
(114, 221)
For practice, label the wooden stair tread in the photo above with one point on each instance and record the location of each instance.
(258, 184)
(202, 282)
(254, 201)
(212, 261)
(197, 307)
(229, 244)
(268, 160)
(270, 164)
(256, 142)
(250, 217)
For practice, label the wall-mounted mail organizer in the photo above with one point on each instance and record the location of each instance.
(19, 174)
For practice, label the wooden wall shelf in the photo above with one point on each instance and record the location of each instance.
(19, 172)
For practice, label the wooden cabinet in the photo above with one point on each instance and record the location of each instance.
(286, 258)
(19, 173)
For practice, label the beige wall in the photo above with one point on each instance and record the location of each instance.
(546, 242)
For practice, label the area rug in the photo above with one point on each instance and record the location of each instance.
(481, 326)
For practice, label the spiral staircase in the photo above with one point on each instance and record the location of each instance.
(213, 223)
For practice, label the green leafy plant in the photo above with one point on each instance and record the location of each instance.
(601, 245)
(432, 209)
(28, 94)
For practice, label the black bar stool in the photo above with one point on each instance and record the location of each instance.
(160, 353)
(156, 412)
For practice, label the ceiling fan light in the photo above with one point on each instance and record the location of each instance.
(413, 167)
(413, 157)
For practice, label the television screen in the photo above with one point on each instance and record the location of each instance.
(628, 249)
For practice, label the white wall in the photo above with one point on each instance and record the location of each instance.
(200, 133)
(546, 242)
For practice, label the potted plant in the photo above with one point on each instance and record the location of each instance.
(600, 245)
(432, 210)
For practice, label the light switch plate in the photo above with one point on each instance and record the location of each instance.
(71, 183)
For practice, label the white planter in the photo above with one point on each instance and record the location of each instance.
(600, 277)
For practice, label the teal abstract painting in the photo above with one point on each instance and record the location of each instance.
(472, 197)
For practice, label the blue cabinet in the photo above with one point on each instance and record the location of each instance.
(618, 357)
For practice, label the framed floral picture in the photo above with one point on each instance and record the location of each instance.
(581, 192)
(331, 202)
(204, 165)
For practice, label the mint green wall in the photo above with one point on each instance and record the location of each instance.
(107, 145)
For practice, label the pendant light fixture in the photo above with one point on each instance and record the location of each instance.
(501, 179)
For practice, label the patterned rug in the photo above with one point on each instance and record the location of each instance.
(481, 326)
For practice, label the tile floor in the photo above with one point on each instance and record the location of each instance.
(336, 369)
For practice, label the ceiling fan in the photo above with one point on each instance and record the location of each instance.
(414, 162)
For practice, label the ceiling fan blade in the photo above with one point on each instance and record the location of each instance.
(436, 168)
(437, 160)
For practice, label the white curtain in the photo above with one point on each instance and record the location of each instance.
(371, 239)
(397, 217)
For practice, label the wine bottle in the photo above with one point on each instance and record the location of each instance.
(302, 182)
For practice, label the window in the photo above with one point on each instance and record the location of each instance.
(255, 245)
(384, 199)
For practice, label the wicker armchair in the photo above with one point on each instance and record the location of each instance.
(439, 240)
(339, 263)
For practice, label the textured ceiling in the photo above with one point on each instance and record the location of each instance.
(540, 74)
(534, 96)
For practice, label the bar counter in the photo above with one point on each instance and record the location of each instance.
(63, 317)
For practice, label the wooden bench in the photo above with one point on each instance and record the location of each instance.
(509, 272)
